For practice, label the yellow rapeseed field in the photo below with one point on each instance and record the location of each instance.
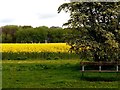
(41, 47)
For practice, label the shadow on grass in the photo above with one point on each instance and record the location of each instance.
(101, 78)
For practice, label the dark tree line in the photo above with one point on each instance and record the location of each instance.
(28, 34)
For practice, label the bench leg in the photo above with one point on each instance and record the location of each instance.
(83, 71)
(117, 68)
(99, 68)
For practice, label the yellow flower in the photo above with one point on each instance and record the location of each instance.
(50, 47)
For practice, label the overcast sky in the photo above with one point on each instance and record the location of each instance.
(32, 12)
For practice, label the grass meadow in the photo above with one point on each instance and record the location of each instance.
(53, 74)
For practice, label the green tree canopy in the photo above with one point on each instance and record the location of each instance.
(8, 33)
(98, 24)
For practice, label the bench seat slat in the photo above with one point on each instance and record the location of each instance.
(99, 63)
(99, 71)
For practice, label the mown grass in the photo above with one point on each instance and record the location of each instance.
(53, 74)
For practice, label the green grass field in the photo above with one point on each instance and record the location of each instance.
(53, 74)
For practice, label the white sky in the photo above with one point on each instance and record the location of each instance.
(32, 12)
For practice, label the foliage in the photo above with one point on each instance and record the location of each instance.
(56, 35)
(38, 56)
(9, 32)
(98, 24)
(28, 34)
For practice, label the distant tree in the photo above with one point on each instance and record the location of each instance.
(55, 34)
(25, 27)
(42, 31)
(32, 35)
(8, 32)
(55, 27)
(0, 35)
(98, 24)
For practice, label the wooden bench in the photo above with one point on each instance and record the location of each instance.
(100, 64)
